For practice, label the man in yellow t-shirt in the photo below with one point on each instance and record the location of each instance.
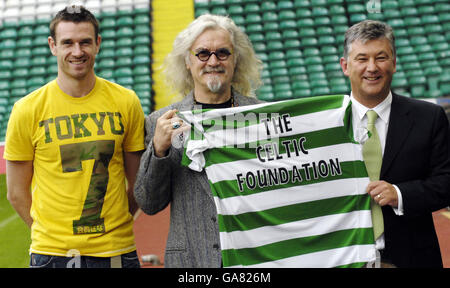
(77, 143)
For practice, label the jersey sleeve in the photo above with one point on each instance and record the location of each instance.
(19, 144)
(134, 140)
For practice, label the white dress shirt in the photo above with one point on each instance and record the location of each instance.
(360, 122)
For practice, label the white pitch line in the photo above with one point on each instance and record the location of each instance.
(8, 220)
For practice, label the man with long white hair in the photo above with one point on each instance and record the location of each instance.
(214, 65)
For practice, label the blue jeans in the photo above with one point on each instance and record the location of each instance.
(128, 260)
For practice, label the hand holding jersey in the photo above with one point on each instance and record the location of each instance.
(167, 126)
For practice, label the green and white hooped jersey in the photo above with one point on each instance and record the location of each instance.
(288, 180)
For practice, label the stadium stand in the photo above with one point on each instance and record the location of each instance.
(299, 41)
(26, 62)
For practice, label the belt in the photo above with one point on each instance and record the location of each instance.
(116, 261)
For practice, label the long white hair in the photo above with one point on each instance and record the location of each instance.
(246, 78)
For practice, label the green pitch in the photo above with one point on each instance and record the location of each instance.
(14, 234)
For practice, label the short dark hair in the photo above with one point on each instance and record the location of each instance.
(76, 14)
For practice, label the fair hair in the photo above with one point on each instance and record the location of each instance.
(246, 78)
(368, 30)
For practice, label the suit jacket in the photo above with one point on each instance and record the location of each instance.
(416, 159)
(193, 239)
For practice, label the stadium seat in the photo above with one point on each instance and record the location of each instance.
(141, 50)
(141, 70)
(301, 93)
(334, 66)
(309, 41)
(321, 91)
(201, 11)
(3, 111)
(312, 60)
(295, 71)
(8, 33)
(108, 33)
(41, 51)
(20, 71)
(7, 44)
(107, 53)
(256, 37)
(254, 28)
(265, 89)
(125, 21)
(293, 53)
(38, 71)
(142, 79)
(4, 89)
(279, 72)
(292, 43)
(124, 42)
(303, 13)
(38, 61)
(307, 32)
(22, 62)
(41, 30)
(18, 93)
(52, 69)
(36, 81)
(25, 42)
(272, 36)
(315, 68)
(239, 20)
(268, 6)
(106, 73)
(235, 10)
(285, 5)
(219, 11)
(305, 22)
(295, 62)
(286, 15)
(269, 16)
(124, 52)
(266, 96)
(3, 103)
(277, 64)
(355, 18)
(123, 72)
(108, 22)
(402, 42)
(399, 80)
(251, 8)
(326, 40)
(322, 20)
(328, 50)
(300, 85)
(302, 3)
(106, 63)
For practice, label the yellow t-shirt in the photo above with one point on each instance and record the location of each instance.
(79, 199)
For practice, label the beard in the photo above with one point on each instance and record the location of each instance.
(214, 83)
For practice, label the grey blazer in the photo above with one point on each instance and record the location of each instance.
(193, 239)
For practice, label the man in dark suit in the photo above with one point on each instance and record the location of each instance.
(414, 179)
